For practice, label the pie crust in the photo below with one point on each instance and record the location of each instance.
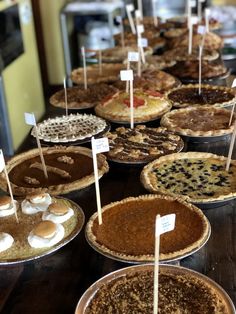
(110, 73)
(127, 232)
(197, 177)
(141, 144)
(188, 95)
(199, 121)
(148, 105)
(181, 54)
(80, 98)
(26, 173)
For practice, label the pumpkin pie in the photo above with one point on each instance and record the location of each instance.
(198, 177)
(127, 231)
(26, 171)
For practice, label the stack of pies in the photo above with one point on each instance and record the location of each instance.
(198, 121)
(198, 177)
(128, 229)
(26, 172)
(148, 105)
(80, 98)
(188, 95)
(71, 128)
(141, 144)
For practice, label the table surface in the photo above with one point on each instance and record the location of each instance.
(55, 283)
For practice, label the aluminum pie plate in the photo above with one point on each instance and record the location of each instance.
(129, 261)
(205, 139)
(175, 270)
(56, 247)
(213, 204)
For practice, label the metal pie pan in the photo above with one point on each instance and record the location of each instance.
(135, 261)
(56, 247)
(175, 270)
(205, 139)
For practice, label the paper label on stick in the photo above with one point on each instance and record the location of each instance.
(140, 29)
(83, 51)
(126, 75)
(30, 118)
(165, 224)
(119, 18)
(194, 20)
(100, 145)
(234, 83)
(192, 3)
(2, 161)
(133, 56)
(201, 29)
(137, 14)
(130, 7)
(142, 42)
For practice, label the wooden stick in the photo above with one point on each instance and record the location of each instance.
(139, 63)
(41, 152)
(127, 82)
(130, 18)
(100, 61)
(232, 114)
(156, 269)
(200, 70)
(207, 12)
(140, 8)
(122, 34)
(131, 105)
(190, 37)
(84, 67)
(66, 102)
(11, 194)
(199, 10)
(231, 147)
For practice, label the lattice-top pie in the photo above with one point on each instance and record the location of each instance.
(199, 177)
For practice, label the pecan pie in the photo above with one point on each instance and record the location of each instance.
(188, 95)
(142, 144)
(181, 54)
(69, 168)
(199, 121)
(198, 177)
(127, 231)
(148, 105)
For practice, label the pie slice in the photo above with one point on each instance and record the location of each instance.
(80, 98)
(148, 105)
(26, 172)
(197, 121)
(198, 177)
(141, 144)
(128, 229)
(188, 95)
(180, 290)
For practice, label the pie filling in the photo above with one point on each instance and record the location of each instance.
(178, 293)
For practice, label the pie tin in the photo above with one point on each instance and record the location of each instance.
(205, 139)
(175, 270)
(167, 260)
(56, 247)
(214, 79)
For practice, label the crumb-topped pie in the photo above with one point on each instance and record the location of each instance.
(110, 73)
(80, 98)
(198, 177)
(69, 168)
(130, 290)
(188, 95)
(127, 232)
(142, 144)
(199, 121)
(148, 105)
(71, 128)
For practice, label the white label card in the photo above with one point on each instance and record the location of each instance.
(140, 29)
(137, 14)
(133, 56)
(2, 161)
(234, 83)
(126, 75)
(119, 18)
(130, 7)
(194, 20)
(165, 224)
(142, 42)
(201, 29)
(100, 145)
(30, 118)
(192, 3)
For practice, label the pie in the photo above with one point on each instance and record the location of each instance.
(21, 250)
(156, 62)
(71, 128)
(26, 172)
(188, 71)
(181, 21)
(153, 80)
(198, 177)
(199, 121)
(127, 231)
(181, 54)
(130, 290)
(110, 73)
(148, 105)
(188, 95)
(142, 144)
(80, 98)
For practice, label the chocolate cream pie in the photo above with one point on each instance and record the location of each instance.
(198, 177)
(127, 232)
(68, 168)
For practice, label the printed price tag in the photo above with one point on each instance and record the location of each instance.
(126, 75)
(234, 83)
(140, 29)
(130, 7)
(142, 42)
(133, 56)
(207, 11)
(100, 145)
(194, 20)
(138, 14)
(201, 29)
(2, 161)
(30, 118)
(165, 224)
